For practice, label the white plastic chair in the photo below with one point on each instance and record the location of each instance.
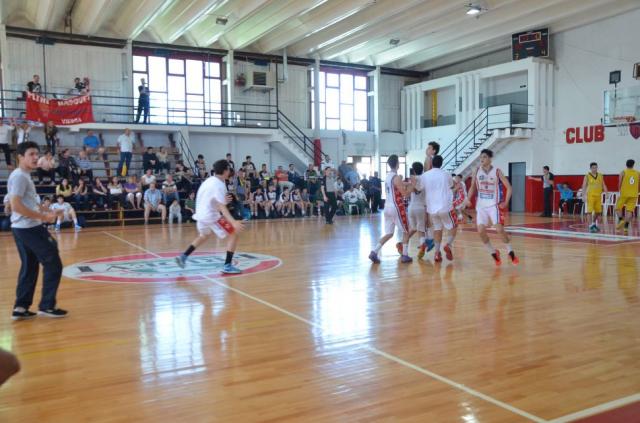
(609, 200)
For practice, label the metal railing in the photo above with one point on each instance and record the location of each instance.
(297, 136)
(508, 116)
(162, 110)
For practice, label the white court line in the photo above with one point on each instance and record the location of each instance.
(597, 409)
(374, 350)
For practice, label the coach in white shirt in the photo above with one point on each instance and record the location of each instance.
(438, 186)
(125, 145)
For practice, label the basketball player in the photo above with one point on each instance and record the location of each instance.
(256, 201)
(459, 197)
(270, 202)
(395, 213)
(417, 207)
(438, 186)
(213, 217)
(433, 148)
(628, 199)
(35, 246)
(487, 181)
(593, 185)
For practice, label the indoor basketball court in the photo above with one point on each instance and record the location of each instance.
(148, 102)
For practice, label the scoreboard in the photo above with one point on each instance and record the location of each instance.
(534, 43)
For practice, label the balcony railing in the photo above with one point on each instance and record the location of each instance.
(164, 111)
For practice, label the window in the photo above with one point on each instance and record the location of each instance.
(402, 170)
(363, 165)
(343, 100)
(182, 91)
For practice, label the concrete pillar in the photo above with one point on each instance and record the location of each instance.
(377, 77)
(4, 57)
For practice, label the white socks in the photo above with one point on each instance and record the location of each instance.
(405, 249)
(377, 248)
(489, 247)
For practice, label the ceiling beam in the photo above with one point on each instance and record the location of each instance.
(182, 15)
(137, 16)
(318, 19)
(273, 14)
(89, 15)
(439, 19)
(379, 12)
(43, 12)
(565, 9)
(207, 31)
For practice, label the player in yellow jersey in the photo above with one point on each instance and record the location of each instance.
(593, 186)
(628, 199)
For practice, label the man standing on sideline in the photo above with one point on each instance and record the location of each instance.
(375, 191)
(143, 101)
(125, 144)
(35, 245)
(547, 191)
(328, 189)
(213, 217)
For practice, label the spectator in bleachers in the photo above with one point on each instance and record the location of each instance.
(133, 192)
(77, 87)
(5, 139)
(86, 83)
(350, 199)
(264, 173)
(201, 167)
(296, 201)
(67, 166)
(143, 101)
(343, 169)
(257, 201)
(169, 190)
(175, 211)
(183, 177)
(306, 201)
(284, 205)
(116, 192)
(147, 179)
(351, 178)
(90, 143)
(566, 198)
(64, 189)
(190, 206)
(84, 166)
(152, 203)
(150, 161)
(294, 175)
(163, 161)
(66, 213)
(51, 136)
(243, 187)
(22, 132)
(34, 86)
(125, 145)
(81, 195)
(326, 162)
(282, 178)
(100, 194)
(249, 167)
(271, 200)
(47, 167)
(233, 165)
(363, 203)
(339, 188)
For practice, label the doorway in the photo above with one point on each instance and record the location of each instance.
(517, 176)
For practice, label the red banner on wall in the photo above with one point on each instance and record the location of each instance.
(70, 111)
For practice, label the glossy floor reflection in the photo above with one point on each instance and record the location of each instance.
(329, 337)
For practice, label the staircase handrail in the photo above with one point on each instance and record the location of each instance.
(297, 135)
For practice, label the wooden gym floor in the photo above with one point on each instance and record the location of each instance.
(328, 337)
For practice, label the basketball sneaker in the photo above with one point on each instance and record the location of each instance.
(430, 244)
(437, 257)
(181, 261)
(406, 259)
(399, 247)
(55, 313)
(448, 253)
(514, 259)
(421, 250)
(374, 257)
(592, 228)
(57, 228)
(21, 313)
(78, 228)
(230, 269)
(496, 257)
(620, 224)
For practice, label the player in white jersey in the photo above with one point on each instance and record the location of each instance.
(417, 208)
(395, 212)
(433, 148)
(489, 205)
(459, 199)
(438, 186)
(213, 217)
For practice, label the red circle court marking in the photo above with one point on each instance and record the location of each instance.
(256, 263)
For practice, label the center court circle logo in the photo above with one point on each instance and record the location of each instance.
(161, 267)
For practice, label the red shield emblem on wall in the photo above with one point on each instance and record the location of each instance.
(634, 130)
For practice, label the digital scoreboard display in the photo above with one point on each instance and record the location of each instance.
(534, 43)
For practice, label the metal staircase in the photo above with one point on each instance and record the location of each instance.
(295, 140)
(490, 129)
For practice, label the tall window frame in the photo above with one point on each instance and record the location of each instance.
(183, 89)
(343, 99)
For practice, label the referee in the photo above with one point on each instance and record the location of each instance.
(328, 189)
(35, 245)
